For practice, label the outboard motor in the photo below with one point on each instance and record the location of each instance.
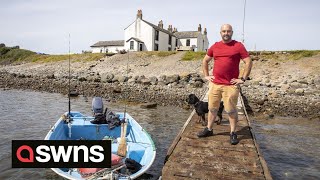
(97, 105)
(97, 109)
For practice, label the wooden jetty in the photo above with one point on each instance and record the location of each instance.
(190, 157)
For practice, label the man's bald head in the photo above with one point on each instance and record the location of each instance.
(226, 33)
(226, 26)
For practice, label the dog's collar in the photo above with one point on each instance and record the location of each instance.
(196, 103)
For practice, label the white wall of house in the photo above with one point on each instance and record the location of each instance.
(111, 49)
(136, 45)
(206, 44)
(142, 31)
(146, 33)
(99, 49)
(163, 41)
(202, 43)
(173, 43)
(115, 49)
(193, 42)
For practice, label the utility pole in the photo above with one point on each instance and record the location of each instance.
(244, 17)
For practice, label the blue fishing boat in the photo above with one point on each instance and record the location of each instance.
(139, 147)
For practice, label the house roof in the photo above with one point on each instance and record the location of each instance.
(136, 39)
(109, 43)
(187, 34)
(158, 28)
(155, 27)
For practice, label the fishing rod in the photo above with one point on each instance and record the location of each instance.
(69, 107)
(126, 89)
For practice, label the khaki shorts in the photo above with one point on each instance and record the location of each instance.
(228, 93)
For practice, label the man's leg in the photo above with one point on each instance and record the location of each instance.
(233, 119)
(230, 98)
(211, 117)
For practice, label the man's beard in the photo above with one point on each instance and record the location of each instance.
(226, 37)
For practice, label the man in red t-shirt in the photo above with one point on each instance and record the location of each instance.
(225, 81)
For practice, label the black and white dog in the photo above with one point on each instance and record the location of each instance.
(202, 108)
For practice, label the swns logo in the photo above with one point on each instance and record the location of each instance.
(61, 154)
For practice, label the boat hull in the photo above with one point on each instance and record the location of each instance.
(140, 146)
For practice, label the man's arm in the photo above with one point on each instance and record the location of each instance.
(205, 68)
(246, 73)
(247, 67)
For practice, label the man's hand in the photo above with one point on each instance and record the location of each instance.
(209, 78)
(235, 81)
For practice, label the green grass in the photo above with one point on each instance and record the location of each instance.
(285, 55)
(298, 54)
(158, 53)
(10, 55)
(73, 57)
(191, 55)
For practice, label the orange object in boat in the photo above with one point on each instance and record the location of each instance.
(115, 159)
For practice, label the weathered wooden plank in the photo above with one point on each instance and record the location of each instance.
(204, 171)
(214, 157)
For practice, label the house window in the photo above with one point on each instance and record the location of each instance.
(203, 44)
(156, 48)
(188, 42)
(170, 40)
(156, 36)
(131, 44)
(176, 42)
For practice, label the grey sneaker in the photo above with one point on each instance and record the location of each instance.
(234, 138)
(205, 133)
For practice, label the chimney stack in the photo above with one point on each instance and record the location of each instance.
(199, 28)
(139, 14)
(160, 25)
(205, 31)
(175, 30)
(170, 28)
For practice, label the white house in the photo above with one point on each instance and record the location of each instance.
(142, 35)
(108, 46)
(192, 40)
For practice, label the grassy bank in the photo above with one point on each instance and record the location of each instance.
(156, 53)
(15, 55)
(191, 55)
(285, 55)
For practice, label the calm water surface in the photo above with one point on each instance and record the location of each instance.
(290, 146)
(29, 115)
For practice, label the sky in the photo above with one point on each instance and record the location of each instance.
(44, 25)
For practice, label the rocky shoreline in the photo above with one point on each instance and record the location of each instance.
(164, 93)
(276, 87)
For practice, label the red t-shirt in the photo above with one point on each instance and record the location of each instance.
(226, 60)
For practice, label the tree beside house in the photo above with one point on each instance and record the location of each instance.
(142, 35)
